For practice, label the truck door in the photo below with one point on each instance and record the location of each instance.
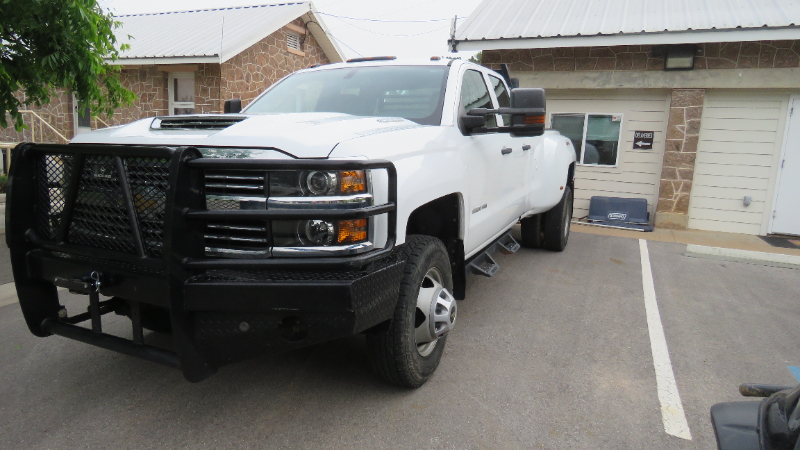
(517, 171)
(489, 168)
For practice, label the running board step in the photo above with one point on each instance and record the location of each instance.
(507, 245)
(484, 265)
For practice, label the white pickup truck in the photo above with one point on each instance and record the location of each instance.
(349, 198)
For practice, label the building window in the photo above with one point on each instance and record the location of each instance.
(293, 41)
(595, 137)
(181, 93)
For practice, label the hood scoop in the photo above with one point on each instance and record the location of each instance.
(203, 122)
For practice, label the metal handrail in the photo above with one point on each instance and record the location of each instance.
(44, 122)
(105, 124)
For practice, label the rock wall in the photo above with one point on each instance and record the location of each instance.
(725, 55)
(249, 73)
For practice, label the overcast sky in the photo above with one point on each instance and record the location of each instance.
(373, 37)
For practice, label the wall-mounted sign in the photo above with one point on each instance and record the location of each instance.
(643, 140)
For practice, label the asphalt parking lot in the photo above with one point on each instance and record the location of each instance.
(552, 352)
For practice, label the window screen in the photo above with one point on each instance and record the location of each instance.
(594, 136)
(475, 94)
(602, 133)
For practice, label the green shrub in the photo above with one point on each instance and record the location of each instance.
(3, 180)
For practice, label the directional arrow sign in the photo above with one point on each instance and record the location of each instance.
(643, 140)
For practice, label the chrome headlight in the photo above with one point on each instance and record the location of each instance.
(289, 190)
(317, 183)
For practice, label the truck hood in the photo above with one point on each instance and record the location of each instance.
(299, 135)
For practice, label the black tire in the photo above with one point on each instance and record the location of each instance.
(393, 353)
(557, 223)
(532, 232)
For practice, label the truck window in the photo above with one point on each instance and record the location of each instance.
(412, 92)
(475, 94)
(503, 100)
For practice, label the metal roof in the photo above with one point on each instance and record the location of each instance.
(211, 35)
(575, 23)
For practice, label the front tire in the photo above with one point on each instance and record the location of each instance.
(395, 355)
(557, 222)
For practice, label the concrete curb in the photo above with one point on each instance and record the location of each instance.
(745, 256)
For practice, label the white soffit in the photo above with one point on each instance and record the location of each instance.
(208, 35)
(578, 23)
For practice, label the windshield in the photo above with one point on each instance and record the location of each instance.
(411, 92)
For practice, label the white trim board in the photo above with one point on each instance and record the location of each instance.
(680, 37)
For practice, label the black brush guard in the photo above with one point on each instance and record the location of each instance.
(220, 310)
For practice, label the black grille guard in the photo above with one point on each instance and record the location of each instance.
(167, 265)
(185, 215)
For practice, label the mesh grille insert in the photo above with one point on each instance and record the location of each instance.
(55, 173)
(149, 181)
(99, 215)
(99, 218)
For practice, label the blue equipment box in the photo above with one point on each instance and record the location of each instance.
(620, 212)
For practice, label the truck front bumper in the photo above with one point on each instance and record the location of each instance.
(220, 310)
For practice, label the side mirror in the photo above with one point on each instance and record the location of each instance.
(528, 99)
(468, 123)
(233, 106)
(527, 113)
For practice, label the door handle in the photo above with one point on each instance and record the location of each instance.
(505, 150)
(526, 147)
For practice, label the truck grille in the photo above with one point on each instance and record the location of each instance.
(236, 190)
(99, 215)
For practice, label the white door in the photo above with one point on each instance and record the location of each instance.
(494, 201)
(786, 215)
(81, 117)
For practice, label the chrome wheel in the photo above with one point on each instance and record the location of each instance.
(435, 314)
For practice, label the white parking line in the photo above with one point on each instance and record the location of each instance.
(672, 414)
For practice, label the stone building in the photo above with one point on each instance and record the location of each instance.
(713, 84)
(192, 61)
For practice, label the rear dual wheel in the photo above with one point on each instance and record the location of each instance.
(549, 229)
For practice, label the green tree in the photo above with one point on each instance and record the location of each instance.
(476, 58)
(50, 44)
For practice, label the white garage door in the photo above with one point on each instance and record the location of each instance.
(740, 140)
(631, 173)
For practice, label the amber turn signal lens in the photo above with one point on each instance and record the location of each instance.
(353, 182)
(352, 231)
(533, 120)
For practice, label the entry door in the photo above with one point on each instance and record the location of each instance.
(786, 215)
(81, 117)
